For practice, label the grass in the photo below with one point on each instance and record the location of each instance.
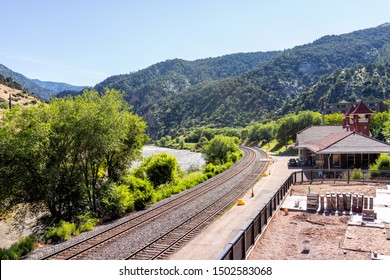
(275, 147)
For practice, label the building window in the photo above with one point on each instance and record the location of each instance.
(365, 161)
(351, 161)
(336, 160)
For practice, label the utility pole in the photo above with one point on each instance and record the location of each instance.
(9, 101)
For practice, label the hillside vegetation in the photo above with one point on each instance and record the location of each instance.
(266, 91)
(369, 82)
(238, 89)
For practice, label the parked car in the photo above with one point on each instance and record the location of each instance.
(293, 162)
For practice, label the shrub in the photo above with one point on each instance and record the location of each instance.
(62, 232)
(191, 180)
(382, 163)
(86, 222)
(142, 189)
(119, 201)
(209, 168)
(161, 168)
(162, 193)
(19, 249)
(357, 174)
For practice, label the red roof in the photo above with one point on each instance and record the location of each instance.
(351, 109)
(362, 109)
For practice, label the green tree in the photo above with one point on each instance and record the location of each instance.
(379, 124)
(333, 119)
(221, 149)
(58, 154)
(202, 141)
(160, 169)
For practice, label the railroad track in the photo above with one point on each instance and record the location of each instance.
(186, 230)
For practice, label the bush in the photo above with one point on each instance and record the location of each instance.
(191, 180)
(357, 174)
(382, 163)
(19, 249)
(86, 222)
(62, 232)
(119, 201)
(161, 168)
(209, 168)
(162, 193)
(142, 189)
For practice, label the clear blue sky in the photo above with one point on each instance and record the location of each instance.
(82, 42)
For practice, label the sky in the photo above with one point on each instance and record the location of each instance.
(83, 42)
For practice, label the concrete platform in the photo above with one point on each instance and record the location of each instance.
(211, 241)
(295, 203)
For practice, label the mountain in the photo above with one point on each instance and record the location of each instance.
(58, 87)
(267, 90)
(370, 82)
(147, 88)
(26, 83)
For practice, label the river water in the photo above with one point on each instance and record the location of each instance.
(187, 160)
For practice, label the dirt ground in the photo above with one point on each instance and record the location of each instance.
(17, 224)
(314, 236)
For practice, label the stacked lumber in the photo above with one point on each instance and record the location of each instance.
(340, 202)
(368, 214)
(328, 202)
(322, 203)
(312, 201)
(347, 203)
(371, 202)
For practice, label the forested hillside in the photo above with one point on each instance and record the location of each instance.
(150, 86)
(369, 82)
(260, 93)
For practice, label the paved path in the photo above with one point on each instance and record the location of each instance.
(209, 244)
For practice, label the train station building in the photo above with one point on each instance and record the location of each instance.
(341, 147)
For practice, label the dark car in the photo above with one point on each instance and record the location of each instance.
(293, 162)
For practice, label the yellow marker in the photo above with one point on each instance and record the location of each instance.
(240, 202)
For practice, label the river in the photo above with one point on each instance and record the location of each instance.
(187, 160)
